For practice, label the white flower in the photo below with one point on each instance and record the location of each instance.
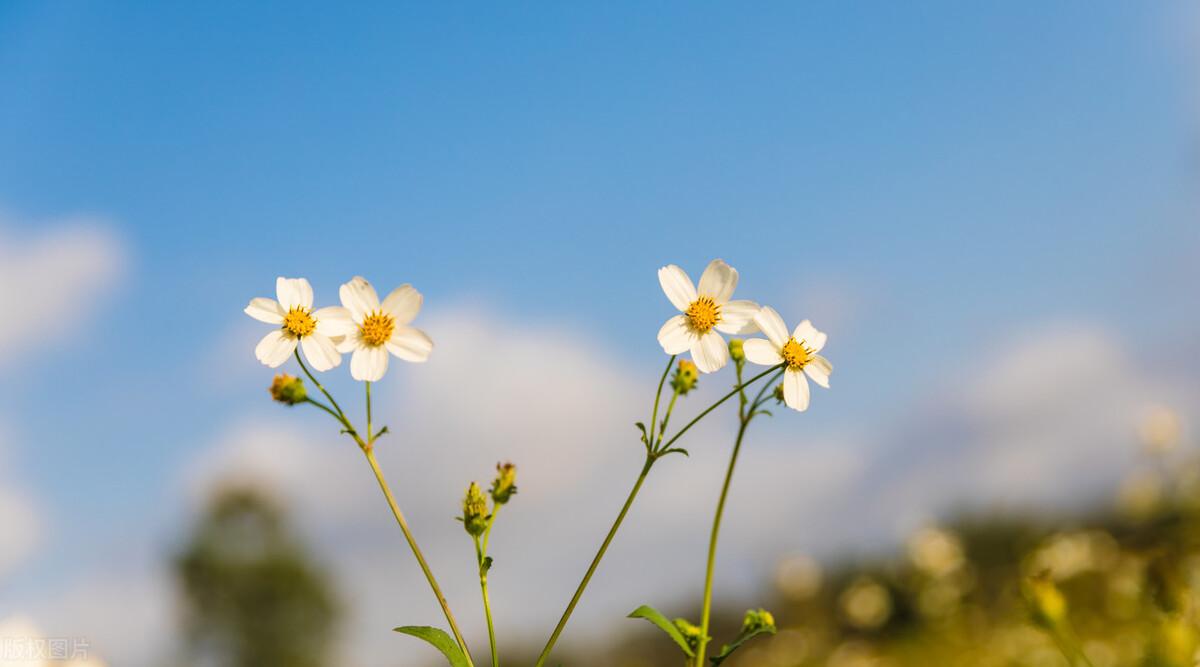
(371, 330)
(704, 310)
(798, 352)
(298, 324)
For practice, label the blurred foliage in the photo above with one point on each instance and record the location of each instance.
(1129, 573)
(251, 594)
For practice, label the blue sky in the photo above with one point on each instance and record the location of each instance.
(936, 182)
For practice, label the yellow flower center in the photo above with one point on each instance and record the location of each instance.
(795, 355)
(704, 313)
(299, 321)
(376, 328)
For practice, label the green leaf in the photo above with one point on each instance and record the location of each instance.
(728, 649)
(654, 616)
(645, 436)
(440, 640)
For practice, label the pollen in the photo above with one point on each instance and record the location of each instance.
(376, 328)
(703, 314)
(796, 355)
(299, 321)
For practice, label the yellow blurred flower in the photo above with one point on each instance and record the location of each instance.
(1160, 429)
(866, 604)
(935, 552)
(798, 577)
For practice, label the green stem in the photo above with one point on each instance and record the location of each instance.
(712, 407)
(667, 416)
(562, 623)
(341, 415)
(368, 449)
(739, 366)
(744, 418)
(370, 432)
(652, 455)
(487, 611)
(657, 395)
(759, 399)
(487, 533)
(480, 556)
(412, 543)
(323, 407)
(706, 611)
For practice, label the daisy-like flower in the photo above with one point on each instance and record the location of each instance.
(371, 330)
(798, 352)
(298, 324)
(705, 311)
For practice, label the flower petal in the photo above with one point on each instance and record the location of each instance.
(293, 293)
(265, 310)
(334, 321)
(369, 363)
(737, 317)
(410, 344)
(320, 352)
(813, 339)
(795, 390)
(275, 348)
(403, 304)
(819, 368)
(677, 286)
(761, 352)
(718, 281)
(348, 343)
(359, 297)
(676, 336)
(772, 325)
(710, 352)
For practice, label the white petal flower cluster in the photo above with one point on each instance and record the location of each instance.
(362, 326)
(371, 331)
(707, 311)
(797, 353)
(704, 312)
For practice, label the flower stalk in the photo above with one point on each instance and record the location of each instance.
(655, 449)
(744, 418)
(367, 446)
(485, 564)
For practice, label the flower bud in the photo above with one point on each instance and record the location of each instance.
(288, 389)
(735, 350)
(1046, 603)
(758, 619)
(690, 632)
(779, 393)
(475, 511)
(685, 378)
(504, 486)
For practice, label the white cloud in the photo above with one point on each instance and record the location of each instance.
(52, 281)
(22, 528)
(20, 516)
(1049, 418)
(50, 284)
